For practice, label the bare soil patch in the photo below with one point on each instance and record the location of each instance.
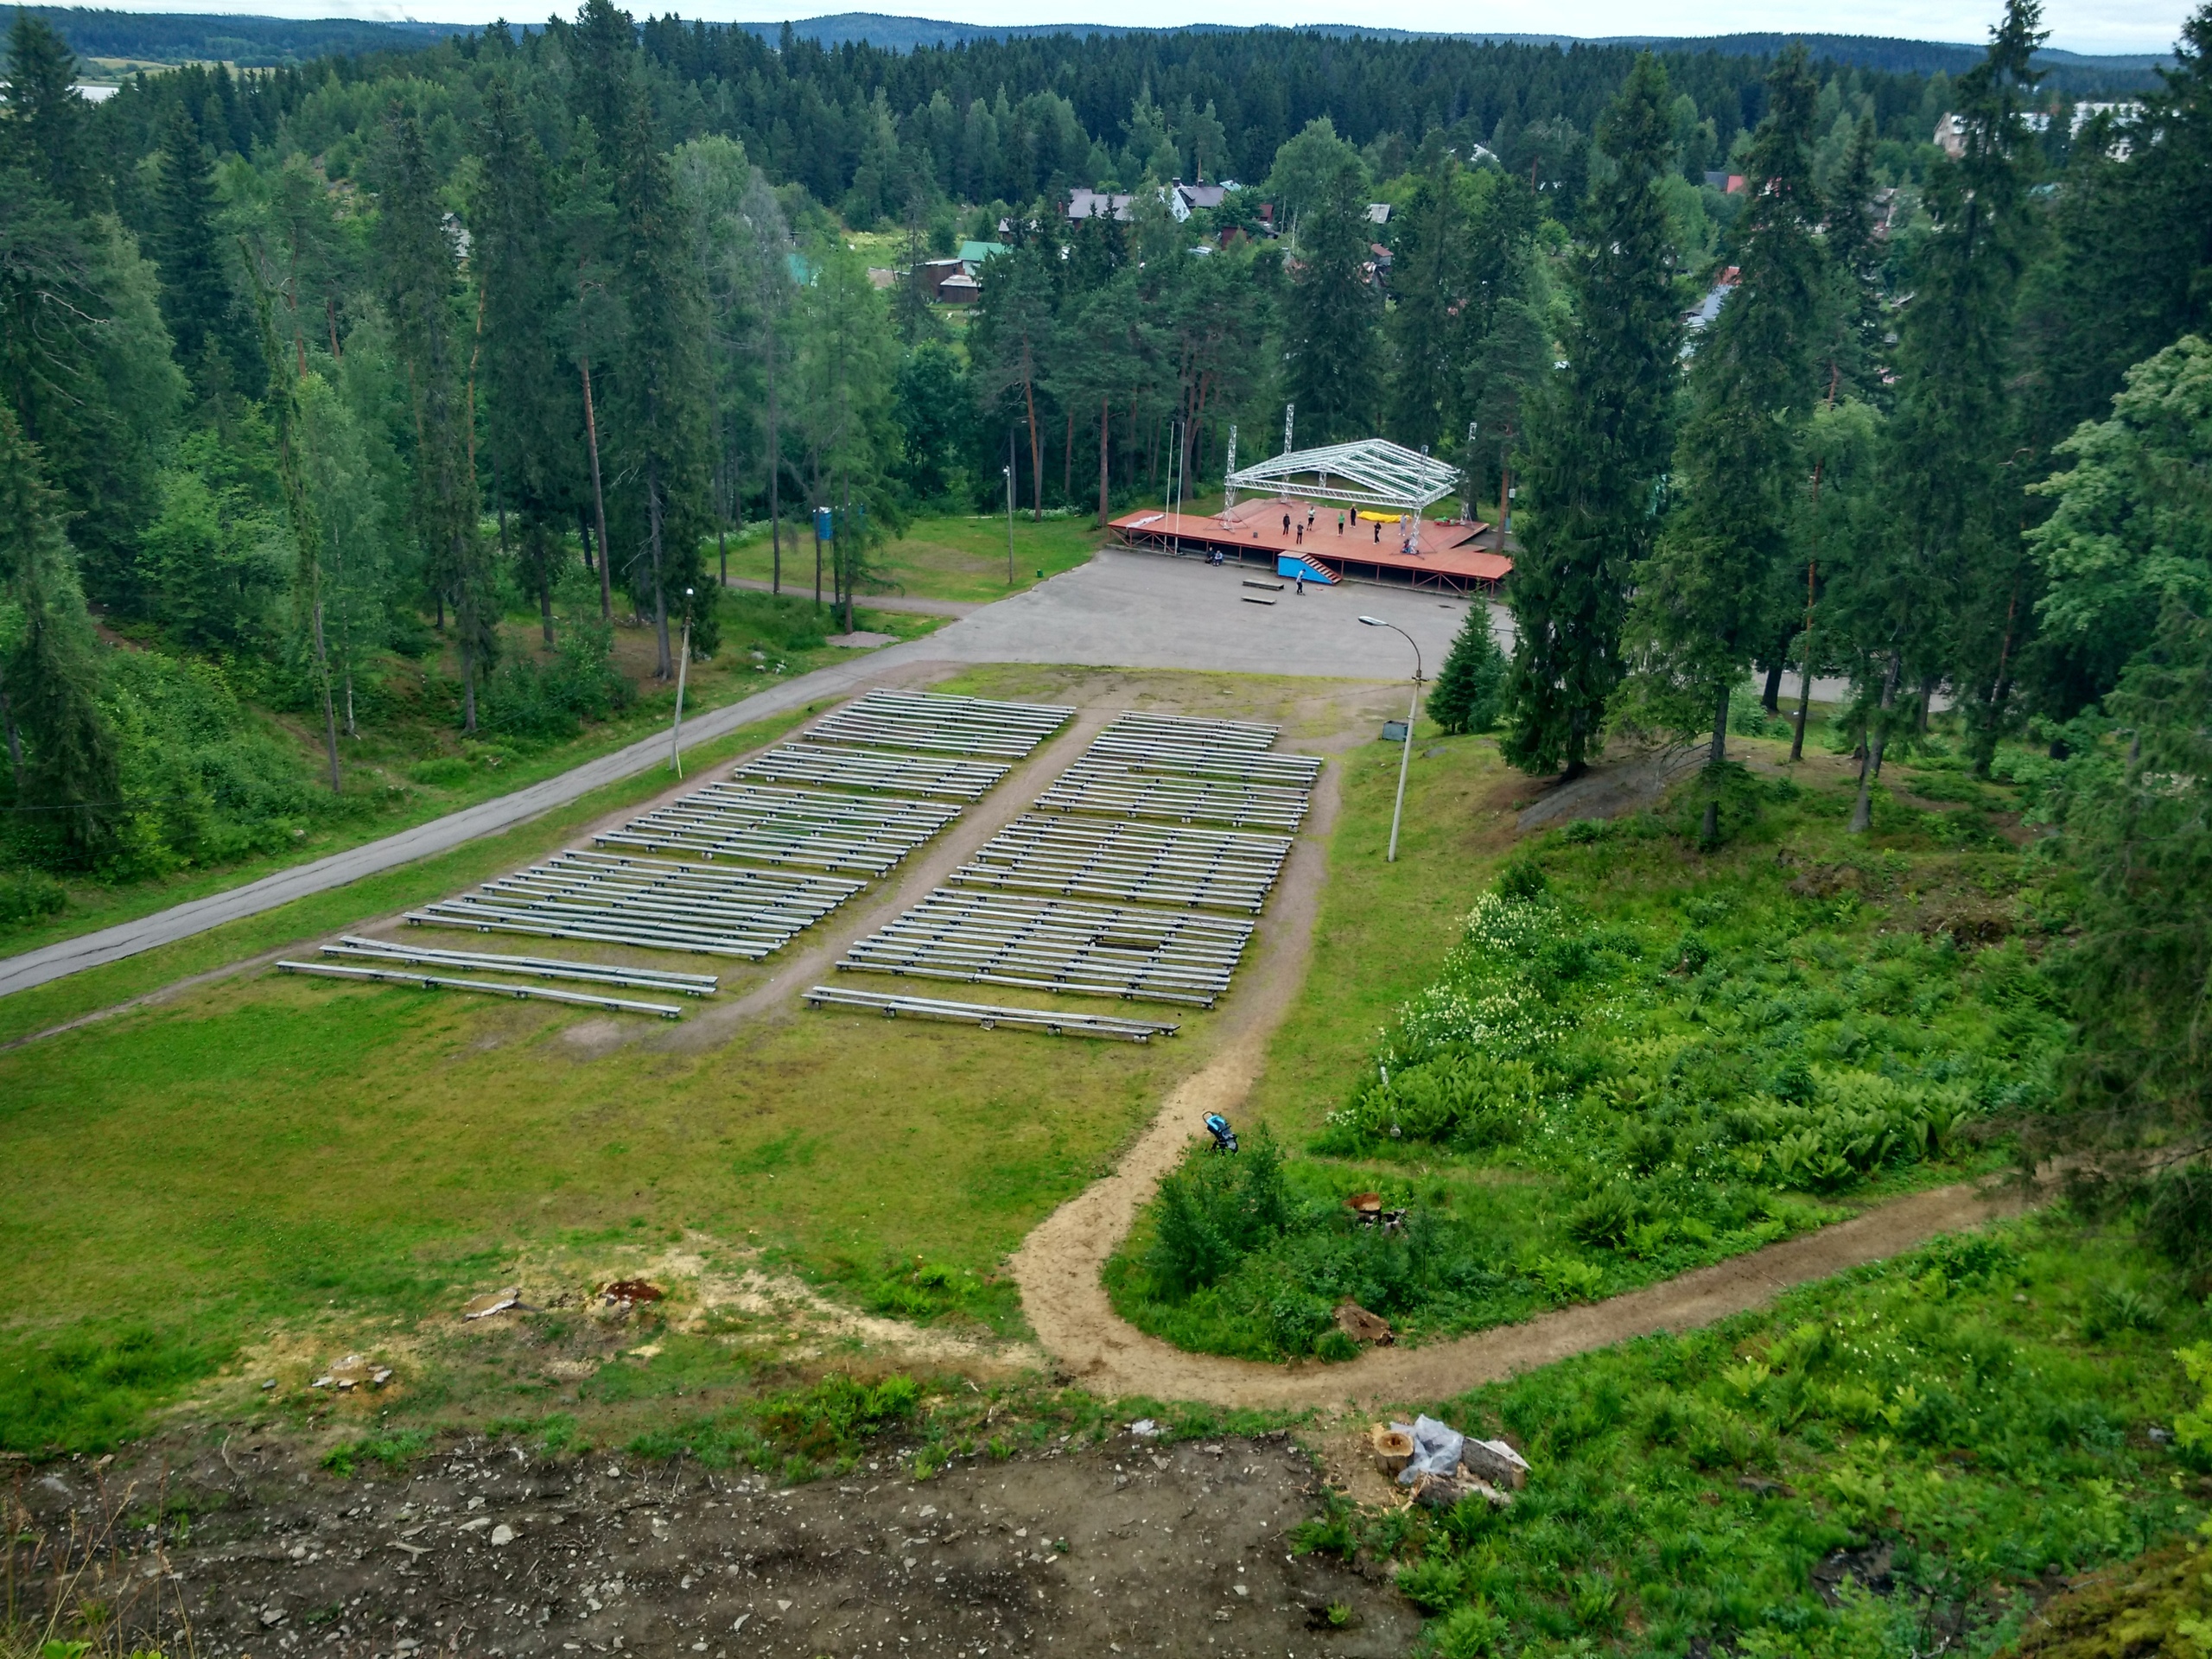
(1127, 1546)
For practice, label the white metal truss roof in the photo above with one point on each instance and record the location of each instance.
(1372, 473)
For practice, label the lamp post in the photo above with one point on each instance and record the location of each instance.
(1413, 712)
(1008, 471)
(684, 662)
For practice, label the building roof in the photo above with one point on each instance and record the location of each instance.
(1370, 473)
(1203, 195)
(1379, 212)
(974, 253)
(1088, 204)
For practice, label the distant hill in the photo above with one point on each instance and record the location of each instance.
(2072, 71)
(261, 42)
(163, 37)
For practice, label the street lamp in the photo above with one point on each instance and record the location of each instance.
(1412, 713)
(1008, 471)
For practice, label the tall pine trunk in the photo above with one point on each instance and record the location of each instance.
(775, 475)
(1105, 446)
(1869, 764)
(1716, 757)
(599, 500)
(667, 662)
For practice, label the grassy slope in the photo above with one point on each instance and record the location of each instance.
(960, 559)
(1383, 935)
(336, 1158)
(380, 760)
(1954, 1431)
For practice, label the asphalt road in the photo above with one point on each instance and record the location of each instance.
(1122, 610)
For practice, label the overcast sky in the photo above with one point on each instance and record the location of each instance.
(2078, 25)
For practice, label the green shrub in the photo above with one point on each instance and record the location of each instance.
(1335, 1347)
(30, 896)
(1297, 1321)
(1213, 1212)
(447, 771)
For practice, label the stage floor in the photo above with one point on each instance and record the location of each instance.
(1448, 556)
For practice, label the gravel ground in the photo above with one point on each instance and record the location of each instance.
(1121, 1547)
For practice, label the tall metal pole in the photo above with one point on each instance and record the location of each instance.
(1008, 471)
(675, 731)
(1412, 713)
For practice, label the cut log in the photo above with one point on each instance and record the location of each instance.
(1495, 1462)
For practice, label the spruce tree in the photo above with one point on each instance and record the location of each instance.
(1426, 324)
(417, 250)
(63, 754)
(1597, 444)
(1472, 683)
(1706, 599)
(1955, 597)
(1331, 312)
(659, 407)
(45, 128)
(531, 427)
(196, 298)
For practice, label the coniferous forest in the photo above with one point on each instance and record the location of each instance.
(389, 387)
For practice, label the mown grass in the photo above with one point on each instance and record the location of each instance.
(1642, 1056)
(412, 768)
(1900, 1461)
(57, 1001)
(265, 1160)
(956, 558)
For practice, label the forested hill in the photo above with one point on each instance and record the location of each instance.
(265, 42)
(248, 42)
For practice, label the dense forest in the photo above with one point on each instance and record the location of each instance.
(317, 375)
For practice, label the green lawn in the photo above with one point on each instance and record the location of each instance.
(412, 769)
(269, 1159)
(960, 559)
(1642, 1056)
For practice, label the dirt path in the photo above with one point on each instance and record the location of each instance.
(1060, 1266)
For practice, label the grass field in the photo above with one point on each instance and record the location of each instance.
(265, 1164)
(413, 769)
(960, 559)
(1661, 1056)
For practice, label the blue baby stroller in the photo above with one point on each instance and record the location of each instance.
(1224, 1138)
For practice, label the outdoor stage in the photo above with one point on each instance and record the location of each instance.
(1450, 556)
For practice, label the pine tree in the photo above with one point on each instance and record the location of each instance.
(660, 398)
(1598, 445)
(1706, 601)
(1471, 684)
(63, 754)
(419, 279)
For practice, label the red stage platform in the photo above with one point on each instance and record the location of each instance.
(1447, 557)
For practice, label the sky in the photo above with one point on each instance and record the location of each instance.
(2076, 25)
